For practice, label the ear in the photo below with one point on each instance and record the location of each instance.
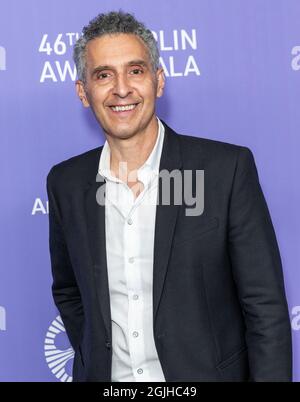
(81, 93)
(160, 76)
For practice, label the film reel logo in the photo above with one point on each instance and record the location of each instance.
(56, 358)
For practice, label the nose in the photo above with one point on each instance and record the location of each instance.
(122, 87)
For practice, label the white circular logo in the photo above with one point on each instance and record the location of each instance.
(56, 358)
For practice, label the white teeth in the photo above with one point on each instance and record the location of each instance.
(122, 108)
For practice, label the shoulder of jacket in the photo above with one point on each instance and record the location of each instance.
(75, 166)
(192, 145)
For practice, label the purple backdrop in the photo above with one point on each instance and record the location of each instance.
(233, 74)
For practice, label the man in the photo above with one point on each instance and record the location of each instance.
(151, 291)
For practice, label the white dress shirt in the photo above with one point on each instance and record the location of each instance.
(129, 225)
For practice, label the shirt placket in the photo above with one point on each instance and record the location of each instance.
(136, 335)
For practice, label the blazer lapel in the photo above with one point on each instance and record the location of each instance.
(95, 219)
(166, 216)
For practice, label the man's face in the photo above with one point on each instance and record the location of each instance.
(119, 73)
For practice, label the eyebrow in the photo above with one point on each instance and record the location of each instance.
(138, 62)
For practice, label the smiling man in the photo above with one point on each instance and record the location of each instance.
(148, 292)
(121, 91)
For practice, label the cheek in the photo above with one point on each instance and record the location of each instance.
(150, 93)
(97, 96)
(147, 88)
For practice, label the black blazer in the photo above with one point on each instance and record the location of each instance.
(219, 305)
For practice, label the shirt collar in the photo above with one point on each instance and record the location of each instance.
(151, 164)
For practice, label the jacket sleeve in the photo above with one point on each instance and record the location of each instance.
(65, 291)
(257, 271)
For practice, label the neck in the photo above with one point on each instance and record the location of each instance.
(133, 151)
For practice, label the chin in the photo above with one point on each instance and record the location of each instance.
(121, 132)
(124, 134)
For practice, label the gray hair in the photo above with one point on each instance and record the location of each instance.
(113, 23)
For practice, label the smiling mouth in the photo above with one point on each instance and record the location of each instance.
(123, 108)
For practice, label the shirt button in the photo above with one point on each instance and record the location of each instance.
(135, 297)
(135, 334)
(140, 371)
(131, 260)
(130, 221)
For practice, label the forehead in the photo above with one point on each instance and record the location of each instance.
(116, 49)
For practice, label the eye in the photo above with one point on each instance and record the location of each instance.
(137, 71)
(101, 76)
